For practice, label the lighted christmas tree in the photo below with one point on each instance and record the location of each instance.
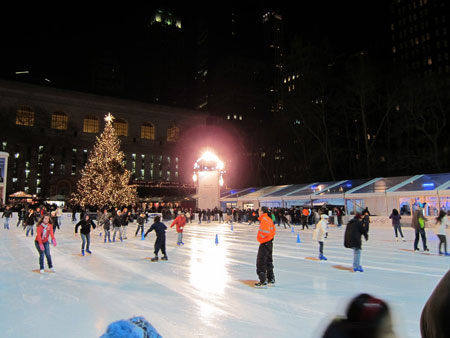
(104, 179)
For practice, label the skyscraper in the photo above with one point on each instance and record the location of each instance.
(420, 41)
(273, 51)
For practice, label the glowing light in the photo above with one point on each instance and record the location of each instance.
(194, 177)
(109, 118)
(221, 181)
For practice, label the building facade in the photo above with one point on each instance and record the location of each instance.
(49, 133)
(420, 41)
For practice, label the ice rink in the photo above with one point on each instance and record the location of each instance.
(200, 291)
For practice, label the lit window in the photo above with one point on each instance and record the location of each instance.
(284, 80)
(178, 24)
(147, 131)
(25, 116)
(228, 117)
(90, 124)
(430, 61)
(59, 121)
(158, 18)
(289, 78)
(121, 127)
(240, 118)
(394, 50)
(173, 134)
(235, 117)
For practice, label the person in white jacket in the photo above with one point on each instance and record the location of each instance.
(442, 225)
(319, 234)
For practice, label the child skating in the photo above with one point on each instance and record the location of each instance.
(180, 222)
(43, 231)
(160, 243)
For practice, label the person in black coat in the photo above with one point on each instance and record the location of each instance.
(86, 223)
(54, 221)
(353, 232)
(434, 319)
(160, 243)
(21, 217)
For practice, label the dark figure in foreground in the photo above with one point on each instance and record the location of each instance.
(434, 321)
(366, 316)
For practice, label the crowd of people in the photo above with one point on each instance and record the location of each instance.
(366, 315)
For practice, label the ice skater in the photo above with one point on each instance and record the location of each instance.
(418, 223)
(180, 222)
(54, 221)
(43, 231)
(7, 214)
(395, 216)
(319, 234)
(85, 233)
(30, 219)
(442, 224)
(160, 242)
(117, 225)
(106, 228)
(21, 217)
(140, 222)
(352, 239)
(264, 260)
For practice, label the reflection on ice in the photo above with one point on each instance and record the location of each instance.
(208, 266)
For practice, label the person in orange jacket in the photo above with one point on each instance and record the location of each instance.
(264, 261)
(180, 222)
(44, 230)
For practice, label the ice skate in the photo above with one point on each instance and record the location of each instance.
(426, 250)
(164, 258)
(52, 269)
(447, 254)
(154, 259)
(271, 282)
(403, 239)
(360, 269)
(322, 257)
(41, 271)
(82, 252)
(89, 252)
(261, 285)
(396, 239)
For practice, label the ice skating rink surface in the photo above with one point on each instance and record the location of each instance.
(203, 289)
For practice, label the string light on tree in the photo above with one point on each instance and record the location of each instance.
(104, 179)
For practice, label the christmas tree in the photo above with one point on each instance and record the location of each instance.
(104, 179)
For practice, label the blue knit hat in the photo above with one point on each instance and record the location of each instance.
(136, 327)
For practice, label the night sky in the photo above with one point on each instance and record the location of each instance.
(39, 36)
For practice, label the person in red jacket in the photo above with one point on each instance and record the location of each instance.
(43, 231)
(180, 222)
(264, 261)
